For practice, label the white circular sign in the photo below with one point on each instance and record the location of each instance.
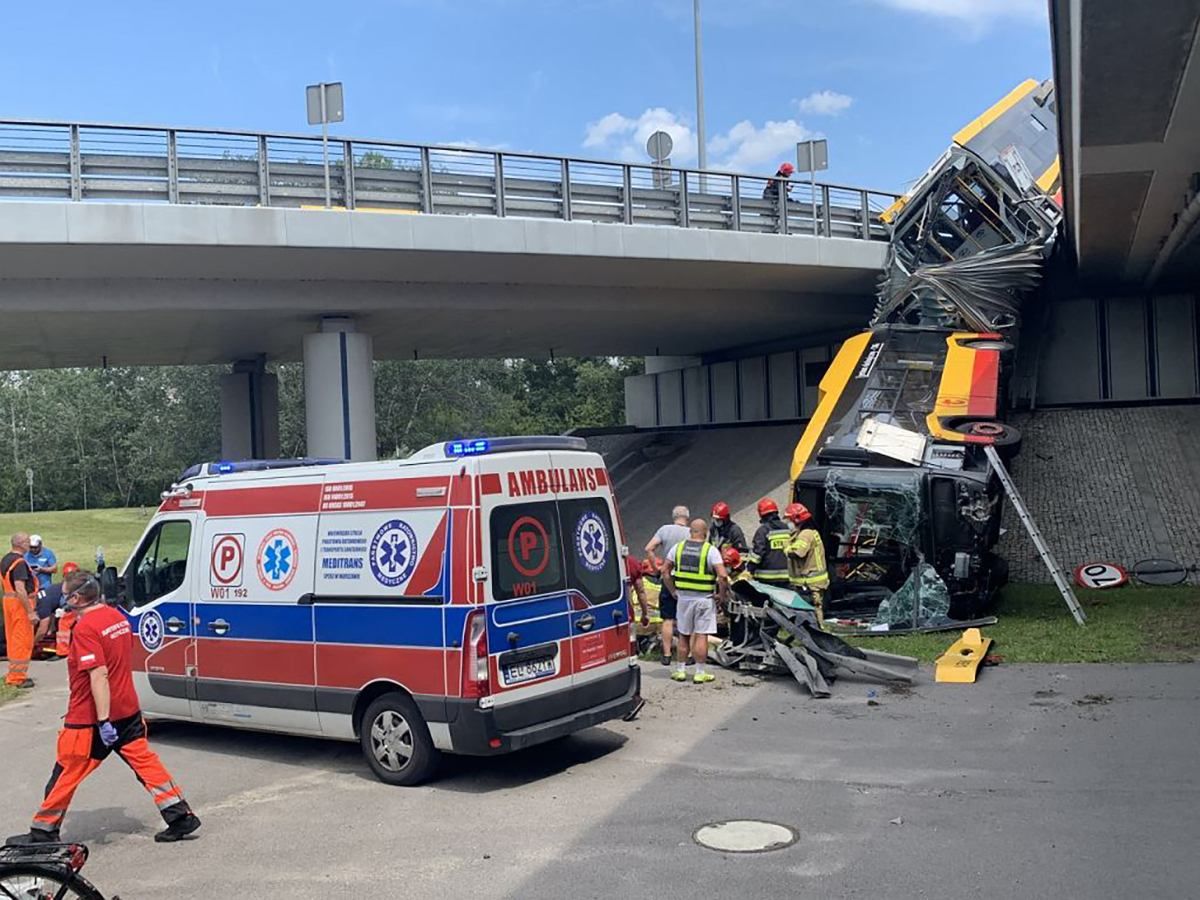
(1100, 575)
(745, 836)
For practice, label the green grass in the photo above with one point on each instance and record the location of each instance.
(7, 693)
(74, 535)
(1128, 624)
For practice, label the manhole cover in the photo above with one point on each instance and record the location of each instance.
(744, 836)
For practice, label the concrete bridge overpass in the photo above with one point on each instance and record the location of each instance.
(145, 245)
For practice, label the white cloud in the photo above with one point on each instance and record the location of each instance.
(825, 103)
(974, 13)
(748, 148)
(745, 147)
(625, 138)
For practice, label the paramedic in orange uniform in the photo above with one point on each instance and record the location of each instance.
(20, 611)
(103, 717)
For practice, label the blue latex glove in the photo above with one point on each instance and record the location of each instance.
(108, 733)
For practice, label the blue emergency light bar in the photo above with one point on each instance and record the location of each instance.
(481, 446)
(227, 467)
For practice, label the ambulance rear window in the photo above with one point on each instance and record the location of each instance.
(526, 552)
(543, 548)
(592, 552)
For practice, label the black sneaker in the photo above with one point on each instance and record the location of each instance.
(178, 830)
(26, 684)
(666, 659)
(32, 836)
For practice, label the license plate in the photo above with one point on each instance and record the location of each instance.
(528, 671)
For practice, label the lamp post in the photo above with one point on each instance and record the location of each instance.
(701, 150)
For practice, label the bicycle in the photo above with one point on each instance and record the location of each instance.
(45, 872)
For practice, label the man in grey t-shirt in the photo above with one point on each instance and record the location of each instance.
(665, 538)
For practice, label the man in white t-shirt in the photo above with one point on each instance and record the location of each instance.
(693, 571)
(665, 538)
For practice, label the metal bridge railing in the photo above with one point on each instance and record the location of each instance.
(96, 162)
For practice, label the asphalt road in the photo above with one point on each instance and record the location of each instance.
(1069, 781)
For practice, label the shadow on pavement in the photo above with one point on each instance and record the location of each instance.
(480, 775)
(464, 774)
(279, 748)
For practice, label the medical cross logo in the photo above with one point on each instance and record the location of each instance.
(591, 542)
(277, 559)
(393, 553)
(150, 630)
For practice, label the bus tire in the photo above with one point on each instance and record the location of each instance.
(1005, 438)
(395, 741)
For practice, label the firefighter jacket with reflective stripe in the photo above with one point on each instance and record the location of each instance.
(767, 561)
(806, 560)
(728, 534)
(691, 571)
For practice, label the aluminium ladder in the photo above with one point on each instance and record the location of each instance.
(1036, 536)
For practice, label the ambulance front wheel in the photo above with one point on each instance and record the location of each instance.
(396, 741)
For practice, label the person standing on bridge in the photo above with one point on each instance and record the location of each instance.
(724, 532)
(771, 191)
(103, 717)
(20, 611)
(665, 538)
(766, 561)
(693, 571)
(807, 573)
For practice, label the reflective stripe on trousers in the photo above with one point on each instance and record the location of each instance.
(18, 633)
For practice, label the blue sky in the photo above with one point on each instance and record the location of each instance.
(887, 81)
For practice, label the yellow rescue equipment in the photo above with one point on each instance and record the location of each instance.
(960, 663)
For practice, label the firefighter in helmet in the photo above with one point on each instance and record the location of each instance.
(807, 573)
(723, 531)
(766, 560)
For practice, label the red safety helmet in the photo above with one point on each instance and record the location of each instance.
(767, 507)
(720, 510)
(797, 512)
(69, 567)
(787, 169)
(731, 557)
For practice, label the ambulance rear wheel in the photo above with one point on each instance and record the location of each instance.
(396, 742)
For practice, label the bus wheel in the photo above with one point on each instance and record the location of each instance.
(1006, 438)
(396, 742)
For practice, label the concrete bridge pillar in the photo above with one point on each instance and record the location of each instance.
(339, 392)
(249, 412)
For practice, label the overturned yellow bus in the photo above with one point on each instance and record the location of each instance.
(891, 463)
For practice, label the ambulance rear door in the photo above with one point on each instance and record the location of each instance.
(593, 566)
(526, 604)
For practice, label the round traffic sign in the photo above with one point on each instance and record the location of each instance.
(659, 145)
(1100, 575)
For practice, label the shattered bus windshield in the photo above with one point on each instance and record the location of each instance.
(873, 520)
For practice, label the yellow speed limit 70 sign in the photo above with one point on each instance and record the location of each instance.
(1100, 575)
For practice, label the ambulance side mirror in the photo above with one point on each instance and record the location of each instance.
(110, 586)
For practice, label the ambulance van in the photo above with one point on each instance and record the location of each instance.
(470, 599)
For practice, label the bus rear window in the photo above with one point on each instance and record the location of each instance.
(543, 548)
